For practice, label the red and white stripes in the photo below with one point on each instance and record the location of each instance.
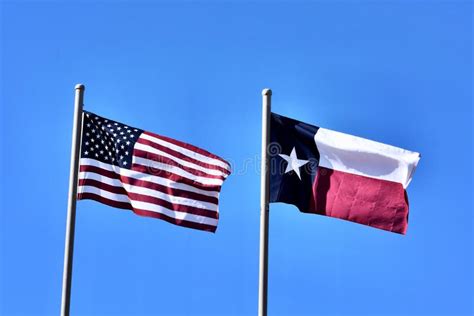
(170, 180)
(363, 181)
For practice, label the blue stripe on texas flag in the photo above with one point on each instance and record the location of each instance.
(292, 150)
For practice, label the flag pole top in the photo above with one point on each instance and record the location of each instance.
(80, 86)
(267, 91)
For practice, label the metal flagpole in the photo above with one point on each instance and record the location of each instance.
(71, 204)
(264, 205)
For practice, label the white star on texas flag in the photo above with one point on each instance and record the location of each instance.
(294, 163)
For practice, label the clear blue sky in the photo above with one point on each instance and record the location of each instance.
(398, 72)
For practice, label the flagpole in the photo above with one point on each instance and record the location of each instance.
(264, 203)
(72, 197)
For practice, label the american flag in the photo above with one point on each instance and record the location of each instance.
(152, 175)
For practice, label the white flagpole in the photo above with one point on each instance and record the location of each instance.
(264, 204)
(72, 197)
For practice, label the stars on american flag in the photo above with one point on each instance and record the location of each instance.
(108, 141)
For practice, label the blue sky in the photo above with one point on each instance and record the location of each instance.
(398, 72)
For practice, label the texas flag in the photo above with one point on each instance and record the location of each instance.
(334, 174)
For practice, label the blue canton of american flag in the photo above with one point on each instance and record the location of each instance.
(152, 175)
